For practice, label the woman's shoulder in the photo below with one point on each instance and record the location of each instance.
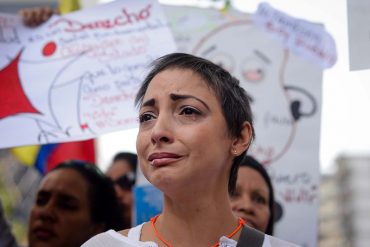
(109, 238)
(125, 238)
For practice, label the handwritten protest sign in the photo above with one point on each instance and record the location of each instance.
(76, 76)
(307, 39)
(284, 85)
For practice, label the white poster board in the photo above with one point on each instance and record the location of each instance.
(285, 89)
(358, 34)
(76, 76)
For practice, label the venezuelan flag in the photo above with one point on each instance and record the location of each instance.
(45, 157)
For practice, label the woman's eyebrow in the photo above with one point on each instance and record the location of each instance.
(262, 192)
(149, 102)
(176, 97)
(68, 197)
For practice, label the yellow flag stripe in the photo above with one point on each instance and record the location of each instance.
(26, 155)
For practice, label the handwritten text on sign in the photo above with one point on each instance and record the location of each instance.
(76, 76)
(305, 38)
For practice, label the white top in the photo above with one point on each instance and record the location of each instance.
(112, 238)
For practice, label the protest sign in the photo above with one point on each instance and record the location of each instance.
(75, 77)
(284, 84)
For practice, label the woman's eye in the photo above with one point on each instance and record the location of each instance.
(67, 206)
(41, 201)
(42, 198)
(260, 199)
(235, 194)
(189, 111)
(146, 117)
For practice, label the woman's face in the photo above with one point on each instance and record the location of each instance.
(251, 198)
(183, 140)
(119, 169)
(60, 216)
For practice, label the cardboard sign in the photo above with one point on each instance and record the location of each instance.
(76, 76)
(285, 88)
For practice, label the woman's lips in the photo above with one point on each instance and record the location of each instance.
(163, 158)
(43, 233)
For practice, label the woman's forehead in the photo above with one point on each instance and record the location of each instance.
(249, 175)
(66, 180)
(182, 81)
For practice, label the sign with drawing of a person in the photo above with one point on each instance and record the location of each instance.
(260, 74)
(281, 69)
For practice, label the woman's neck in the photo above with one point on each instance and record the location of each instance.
(198, 222)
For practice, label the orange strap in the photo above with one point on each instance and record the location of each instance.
(241, 224)
(154, 219)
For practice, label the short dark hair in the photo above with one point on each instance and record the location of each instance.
(131, 158)
(233, 98)
(103, 203)
(249, 161)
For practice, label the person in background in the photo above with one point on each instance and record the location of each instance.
(253, 198)
(122, 172)
(195, 126)
(74, 202)
(123, 169)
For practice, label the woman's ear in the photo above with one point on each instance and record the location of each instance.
(242, 142)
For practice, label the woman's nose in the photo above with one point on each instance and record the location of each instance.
(47, 212)
(243, 204)
(162, 130)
